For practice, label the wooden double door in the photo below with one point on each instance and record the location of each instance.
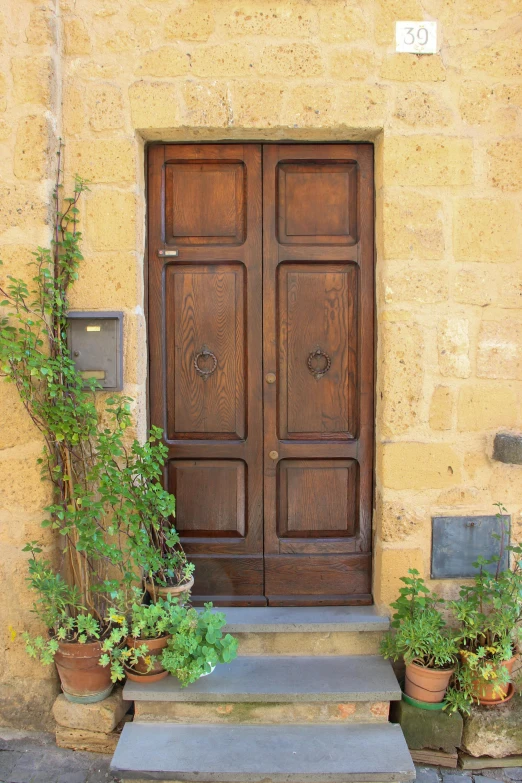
(260, 313)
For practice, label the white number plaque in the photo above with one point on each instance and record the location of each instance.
(416, 37)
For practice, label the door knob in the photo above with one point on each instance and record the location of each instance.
(270, 377)
(273, 454)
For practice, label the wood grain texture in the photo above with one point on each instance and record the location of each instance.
(272, 265)
(318, 296)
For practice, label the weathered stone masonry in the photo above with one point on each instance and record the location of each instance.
(108, 75)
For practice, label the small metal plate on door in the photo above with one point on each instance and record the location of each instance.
(95, 341)
(458, 541)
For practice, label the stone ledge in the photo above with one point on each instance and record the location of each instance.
(494, 732)
(101, 717)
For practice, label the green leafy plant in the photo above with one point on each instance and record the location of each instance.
(140, 622)
(198, 644)
(420, 632)
(489, 614)
(108, 508)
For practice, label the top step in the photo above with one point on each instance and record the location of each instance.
(303, 619)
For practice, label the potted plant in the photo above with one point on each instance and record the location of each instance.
(489, 612)
(421, 637)
(139, 636)
(197, 645)
(75, 637)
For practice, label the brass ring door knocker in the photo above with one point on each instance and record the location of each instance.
(203, 353)
(319, 363)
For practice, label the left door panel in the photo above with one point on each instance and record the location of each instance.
(205, 352)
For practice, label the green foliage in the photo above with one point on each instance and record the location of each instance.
(420, 635)
(489, 616)
(198, 644)
(109, 507)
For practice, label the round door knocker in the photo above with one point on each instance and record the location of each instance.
(314, 363)
(205, 352)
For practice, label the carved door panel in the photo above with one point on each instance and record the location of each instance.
(260, 311)
(205, 262)
(318, 342)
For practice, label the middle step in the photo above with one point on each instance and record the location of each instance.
(344, 685)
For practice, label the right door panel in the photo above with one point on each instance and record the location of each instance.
(318, 341)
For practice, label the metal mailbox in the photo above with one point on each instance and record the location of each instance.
(95, 341)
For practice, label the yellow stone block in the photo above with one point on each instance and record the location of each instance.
(154, 105)
(486, 406)
(509, 286)
(101, 160)
(298, 59)
(441, 408)
(475, 285)
(401, 359)
(499, 350)
(413, 68)
(16, 426)
(75, 36)
(418, 106)
(412, 226)
(189, 24)
(505, 484)
(165, 61)
(390, 566)
(31, 154)
(3, 93)
(32, 79)
(310, 105)
(120, 290)
(362, 104)
(351, 63)
(111, 220)
(20, 484)
(73, 110)
(257, 104)
(453, 347)
(419, 466)
(20, 207)
(222, 61)
(494, 109)
(40, 30)
(207, 104)
(422, 283)
(499, 60)
(486, 229)
(105, 106)
(5, 129)
(428, 161)
(278, 20)
(341, 22)
(398, 521)
(504, 160)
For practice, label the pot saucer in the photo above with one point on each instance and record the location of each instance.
(498, 702)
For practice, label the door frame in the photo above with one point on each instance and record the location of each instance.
(293, 142)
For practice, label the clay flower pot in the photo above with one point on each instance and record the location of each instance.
(429, 685)
(487, 692)
(83, 680)
(139, 672)
(176, 591)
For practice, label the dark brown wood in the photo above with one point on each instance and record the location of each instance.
(204, 321)
(318, 340)
(435, 757)
(221, 319)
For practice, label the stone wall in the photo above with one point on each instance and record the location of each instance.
(110, 75)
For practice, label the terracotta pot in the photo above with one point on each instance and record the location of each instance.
(140, 670)
(176, 591)
(486, 691)
(425, 684)
(83, 679)
(143, 678)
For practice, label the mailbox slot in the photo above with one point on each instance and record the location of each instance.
(95, 343)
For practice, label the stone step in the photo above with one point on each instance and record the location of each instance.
(306, 630)
(362, 753)
(264, 689)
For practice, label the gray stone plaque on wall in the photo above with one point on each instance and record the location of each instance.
(457, 542)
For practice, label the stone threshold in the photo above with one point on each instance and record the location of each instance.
(303, 619)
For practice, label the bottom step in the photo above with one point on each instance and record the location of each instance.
(248, 754)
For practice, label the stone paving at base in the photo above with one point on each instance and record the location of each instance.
(32, 757)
